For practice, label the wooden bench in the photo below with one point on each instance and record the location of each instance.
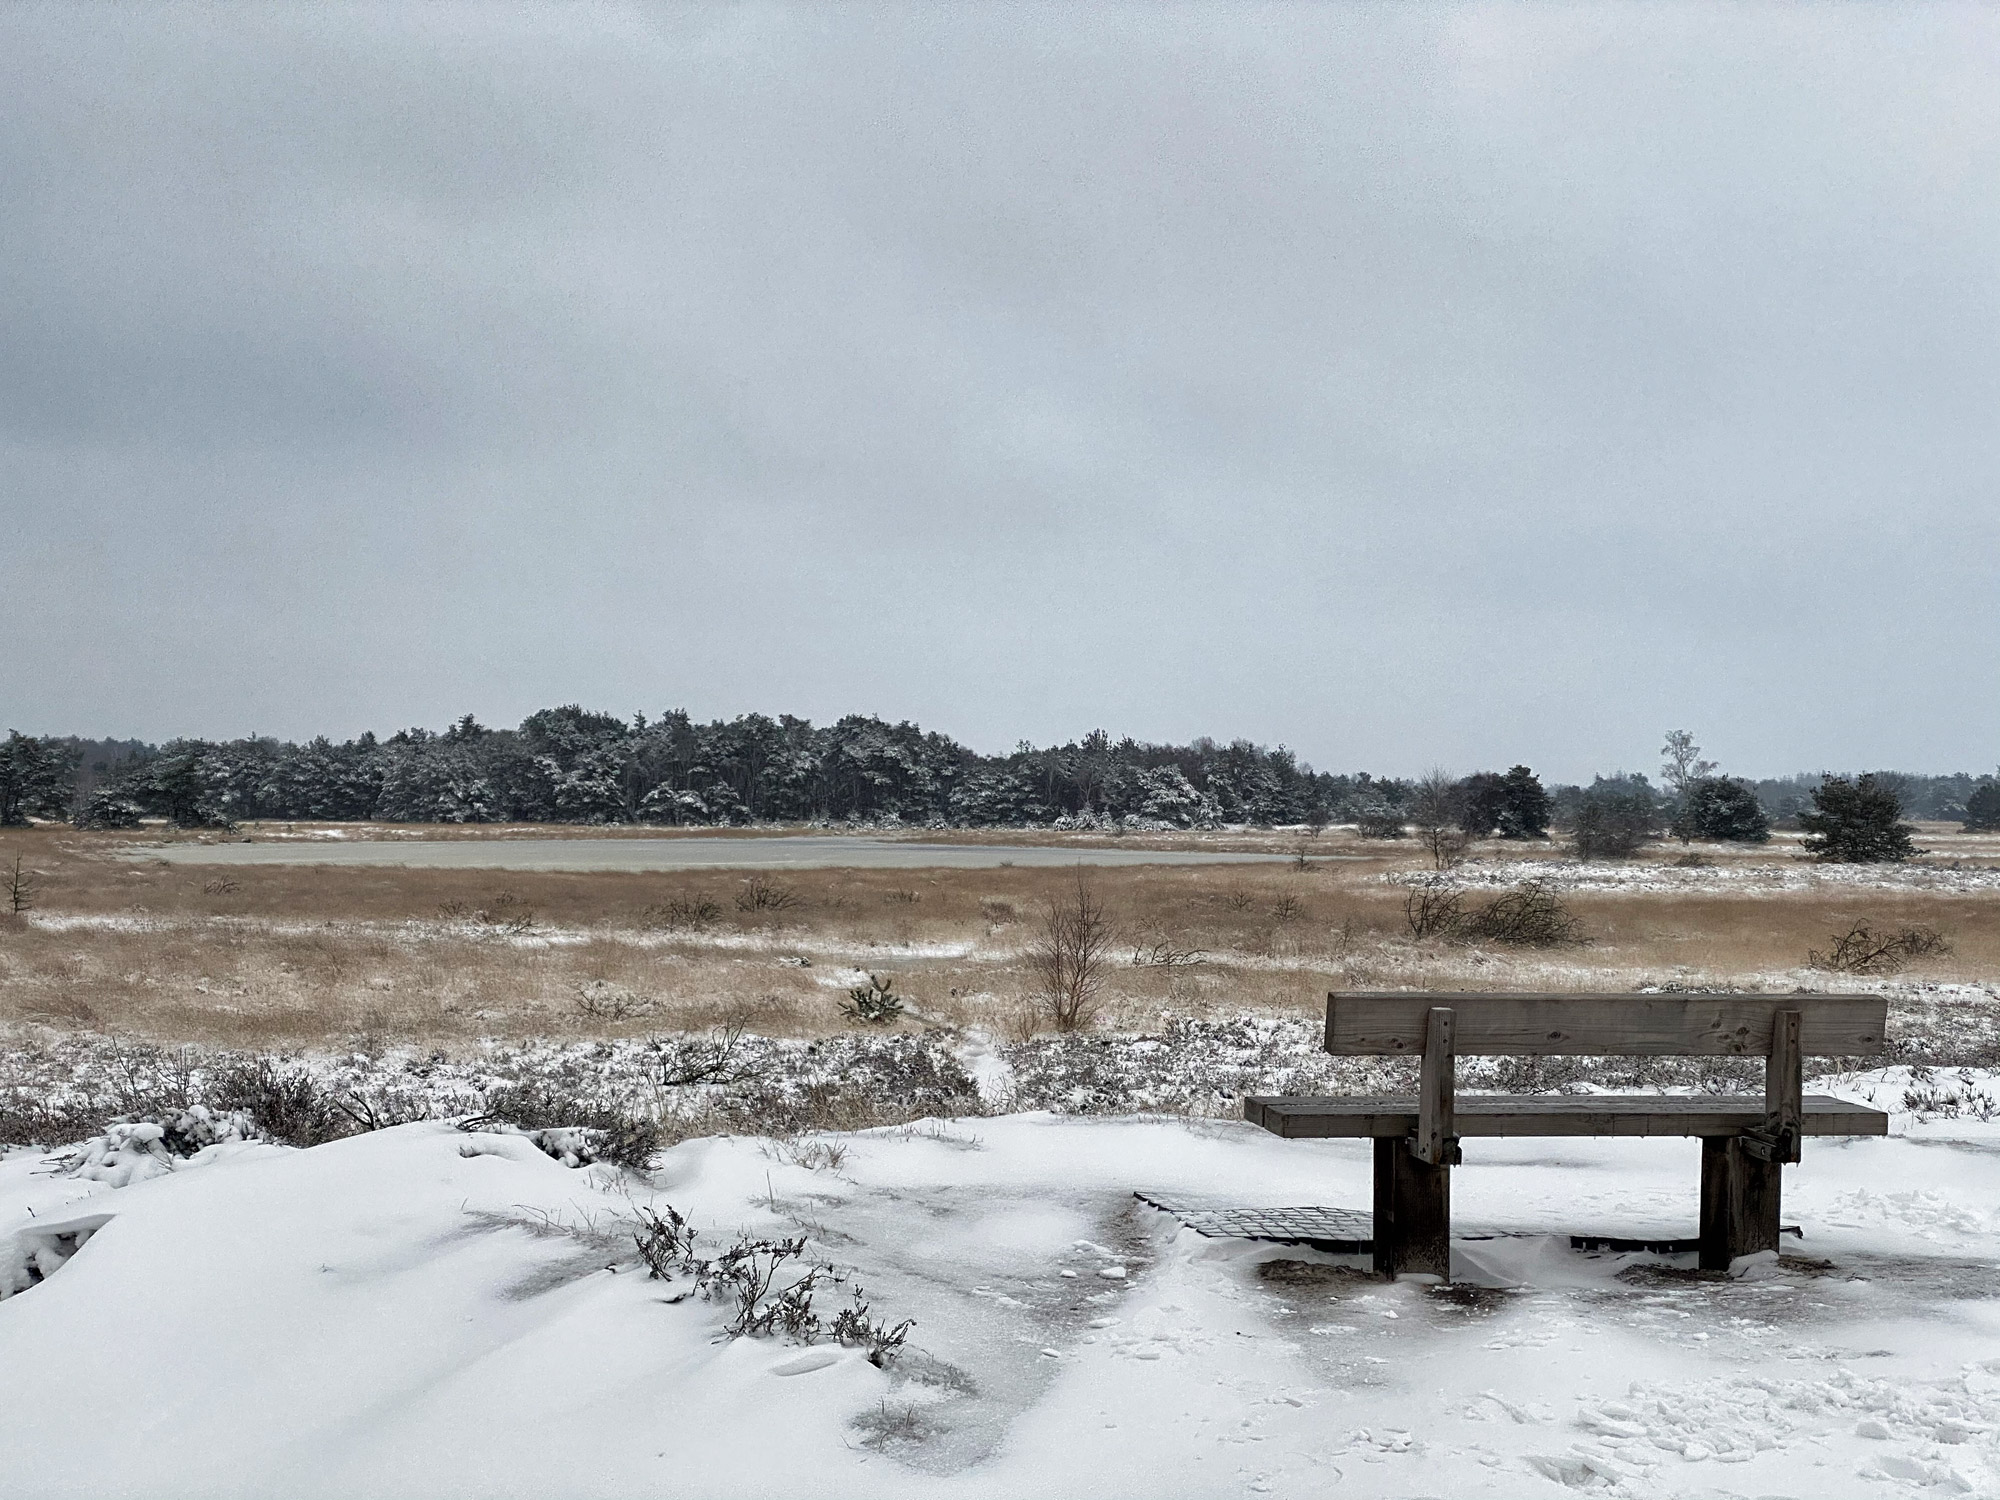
(1745, 1142)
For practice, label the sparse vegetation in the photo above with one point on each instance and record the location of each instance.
(1164, 955)
(759, 893)
(683, 913)
(769, 1286)
(1866, 949)
(602, 1001)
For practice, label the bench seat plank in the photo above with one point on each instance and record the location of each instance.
(1554, 1115)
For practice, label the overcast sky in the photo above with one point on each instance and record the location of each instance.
(1407, 385)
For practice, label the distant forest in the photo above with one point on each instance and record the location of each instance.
(571, 765)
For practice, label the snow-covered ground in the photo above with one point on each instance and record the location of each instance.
(422, 1311)
(1743, 878)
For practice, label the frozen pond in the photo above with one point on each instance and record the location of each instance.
(789, 853)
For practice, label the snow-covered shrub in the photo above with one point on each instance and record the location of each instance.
(133, 1150)
(576, 1129)
(32, 1253)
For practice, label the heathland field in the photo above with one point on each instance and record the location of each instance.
(120, 937)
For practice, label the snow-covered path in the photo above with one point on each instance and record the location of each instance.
(421, 1312)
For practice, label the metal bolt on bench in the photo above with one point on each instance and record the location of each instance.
(1744, 1146)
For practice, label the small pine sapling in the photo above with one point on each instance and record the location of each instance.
(872, 1003)
(20, 889)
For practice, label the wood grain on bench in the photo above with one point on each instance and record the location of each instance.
(1553, 1115)
(1624, 1025)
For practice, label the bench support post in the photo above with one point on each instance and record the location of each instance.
(1412, 1212)
(1739, 1201)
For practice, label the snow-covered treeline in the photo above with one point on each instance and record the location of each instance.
(571, 765)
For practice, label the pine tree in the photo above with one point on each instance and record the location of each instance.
(1856, 822)
(37, 777)
(1523, 806)
(1615, 817)
(1982, 808)
(1721, 807)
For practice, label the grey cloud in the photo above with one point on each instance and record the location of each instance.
(1461, 384)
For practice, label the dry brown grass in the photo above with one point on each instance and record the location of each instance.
(303, 955)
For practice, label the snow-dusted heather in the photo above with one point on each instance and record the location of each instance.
(59, 1084)
(420, 1311)
(1743, 879)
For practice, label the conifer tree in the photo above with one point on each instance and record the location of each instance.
(1856, 822)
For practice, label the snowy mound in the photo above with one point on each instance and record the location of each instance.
(423, 1311)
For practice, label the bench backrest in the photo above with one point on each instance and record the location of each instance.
(1612, 1025)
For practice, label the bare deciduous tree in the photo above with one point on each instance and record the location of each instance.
(1070, 956)
(1435, 808)
(1681, 764)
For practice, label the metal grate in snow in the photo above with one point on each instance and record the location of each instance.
(1341, 1231)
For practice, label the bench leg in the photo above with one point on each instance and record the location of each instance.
(1412, 1213)
(1739, 1202)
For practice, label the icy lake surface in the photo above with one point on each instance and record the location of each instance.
(788, 853)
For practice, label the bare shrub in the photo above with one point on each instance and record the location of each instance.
(1237, 900)
(688, 1060)
(222, 885)
(1532, 915)
(1434, 906)
(760, 894)
(664, 1240)
(1864, 950)
(602, 1001)
(1165, 955)
(883, 1340)
(289, 1104)
(1069, 958)
(1287, 909)
(686, 913)
(505, 910)
(509, 912)
(769, 1284)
